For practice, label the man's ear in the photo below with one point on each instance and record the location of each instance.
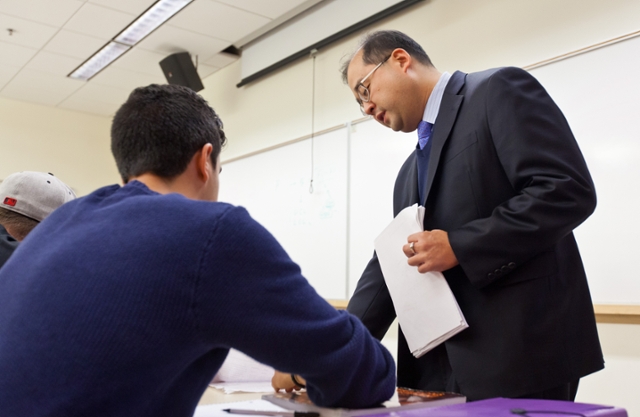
(401, 58)
(203, 162)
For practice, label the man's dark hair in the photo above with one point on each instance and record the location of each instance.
(377, 46)
(159, 129)
(20, 224)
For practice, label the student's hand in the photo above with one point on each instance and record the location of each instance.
(431, 251)
(283, 381)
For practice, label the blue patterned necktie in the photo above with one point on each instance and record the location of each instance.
(424, 133)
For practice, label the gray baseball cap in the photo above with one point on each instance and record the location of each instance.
(34, 194)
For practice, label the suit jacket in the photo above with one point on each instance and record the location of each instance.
(507, 181)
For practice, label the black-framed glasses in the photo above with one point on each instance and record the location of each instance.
(363, 92)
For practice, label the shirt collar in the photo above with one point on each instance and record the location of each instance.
(433, 104)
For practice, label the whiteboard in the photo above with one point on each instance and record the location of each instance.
(599, 93)
(377, 153)
(312, 227)
(330, 233)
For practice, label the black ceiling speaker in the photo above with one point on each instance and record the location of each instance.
(179, 69)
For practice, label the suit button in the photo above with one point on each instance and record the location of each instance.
(490, 275)
(512, 265)
(498, 273)
(505, 269)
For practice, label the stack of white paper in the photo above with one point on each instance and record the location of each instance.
(241, 373)
(428, 313)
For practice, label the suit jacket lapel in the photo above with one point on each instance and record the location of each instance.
(408, 178)
(447, 115)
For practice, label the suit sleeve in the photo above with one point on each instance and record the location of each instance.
(371, 301)
(552, 188)
(254, 299)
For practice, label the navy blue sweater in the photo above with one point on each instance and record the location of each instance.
(125, 303)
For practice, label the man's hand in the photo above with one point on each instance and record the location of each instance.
(430, 251)
(283, 381)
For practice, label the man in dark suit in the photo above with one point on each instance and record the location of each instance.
(504, 184)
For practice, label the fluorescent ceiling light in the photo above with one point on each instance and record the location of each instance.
(99, 60)
(156, 15)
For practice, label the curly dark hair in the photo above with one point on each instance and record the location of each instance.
(159, 129)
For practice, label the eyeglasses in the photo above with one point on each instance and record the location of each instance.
(363, 92)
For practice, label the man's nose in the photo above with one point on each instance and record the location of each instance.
(368, 107)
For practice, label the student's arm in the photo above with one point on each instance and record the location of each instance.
(253, 298)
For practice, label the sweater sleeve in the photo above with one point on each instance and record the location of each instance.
(251, 296)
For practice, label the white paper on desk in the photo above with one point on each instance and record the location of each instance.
(216, 410)
(427, 311)
(233, 387)
(238, 367)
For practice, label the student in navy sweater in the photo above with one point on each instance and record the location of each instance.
(125, 302)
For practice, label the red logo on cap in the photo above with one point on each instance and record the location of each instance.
(10, 201)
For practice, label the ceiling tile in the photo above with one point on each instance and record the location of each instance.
(89, 106)
(140, 60)
(40, 87)
(6, 73)
(134, 7)
(14, 55)
(125, 79)
(74, 44)
(221, 59)
(98, 21)
(32, 95)
(26, 33)
(101, 93)
(53, 37)
(50, 12)
(271, 9)
(28, 79)
(168, 40)
(218, 20)
(52, 63)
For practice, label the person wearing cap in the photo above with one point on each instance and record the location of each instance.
(139, 291)
(27, 197)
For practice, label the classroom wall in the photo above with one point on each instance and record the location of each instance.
(466, 35)
(73, 146)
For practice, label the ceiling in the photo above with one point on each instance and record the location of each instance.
(52, 37)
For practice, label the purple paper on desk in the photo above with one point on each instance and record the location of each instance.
(504, 407)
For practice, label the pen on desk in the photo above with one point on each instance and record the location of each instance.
(284, 413)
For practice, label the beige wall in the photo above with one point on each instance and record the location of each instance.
(73, 146)
(468, 35)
